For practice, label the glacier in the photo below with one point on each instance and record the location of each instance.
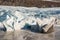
(14, 18)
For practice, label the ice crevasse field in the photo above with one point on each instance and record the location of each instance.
(14, 18)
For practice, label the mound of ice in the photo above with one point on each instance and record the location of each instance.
(15, 17)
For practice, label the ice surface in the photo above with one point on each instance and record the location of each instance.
(12, 16)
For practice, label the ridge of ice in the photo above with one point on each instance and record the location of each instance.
(15, 16)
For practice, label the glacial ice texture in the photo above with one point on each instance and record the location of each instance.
(10, 15)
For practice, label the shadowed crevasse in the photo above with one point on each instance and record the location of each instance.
(37, 28)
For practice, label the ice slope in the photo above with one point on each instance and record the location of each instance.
(12, 16)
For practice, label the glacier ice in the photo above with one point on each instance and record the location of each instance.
(14, 18)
